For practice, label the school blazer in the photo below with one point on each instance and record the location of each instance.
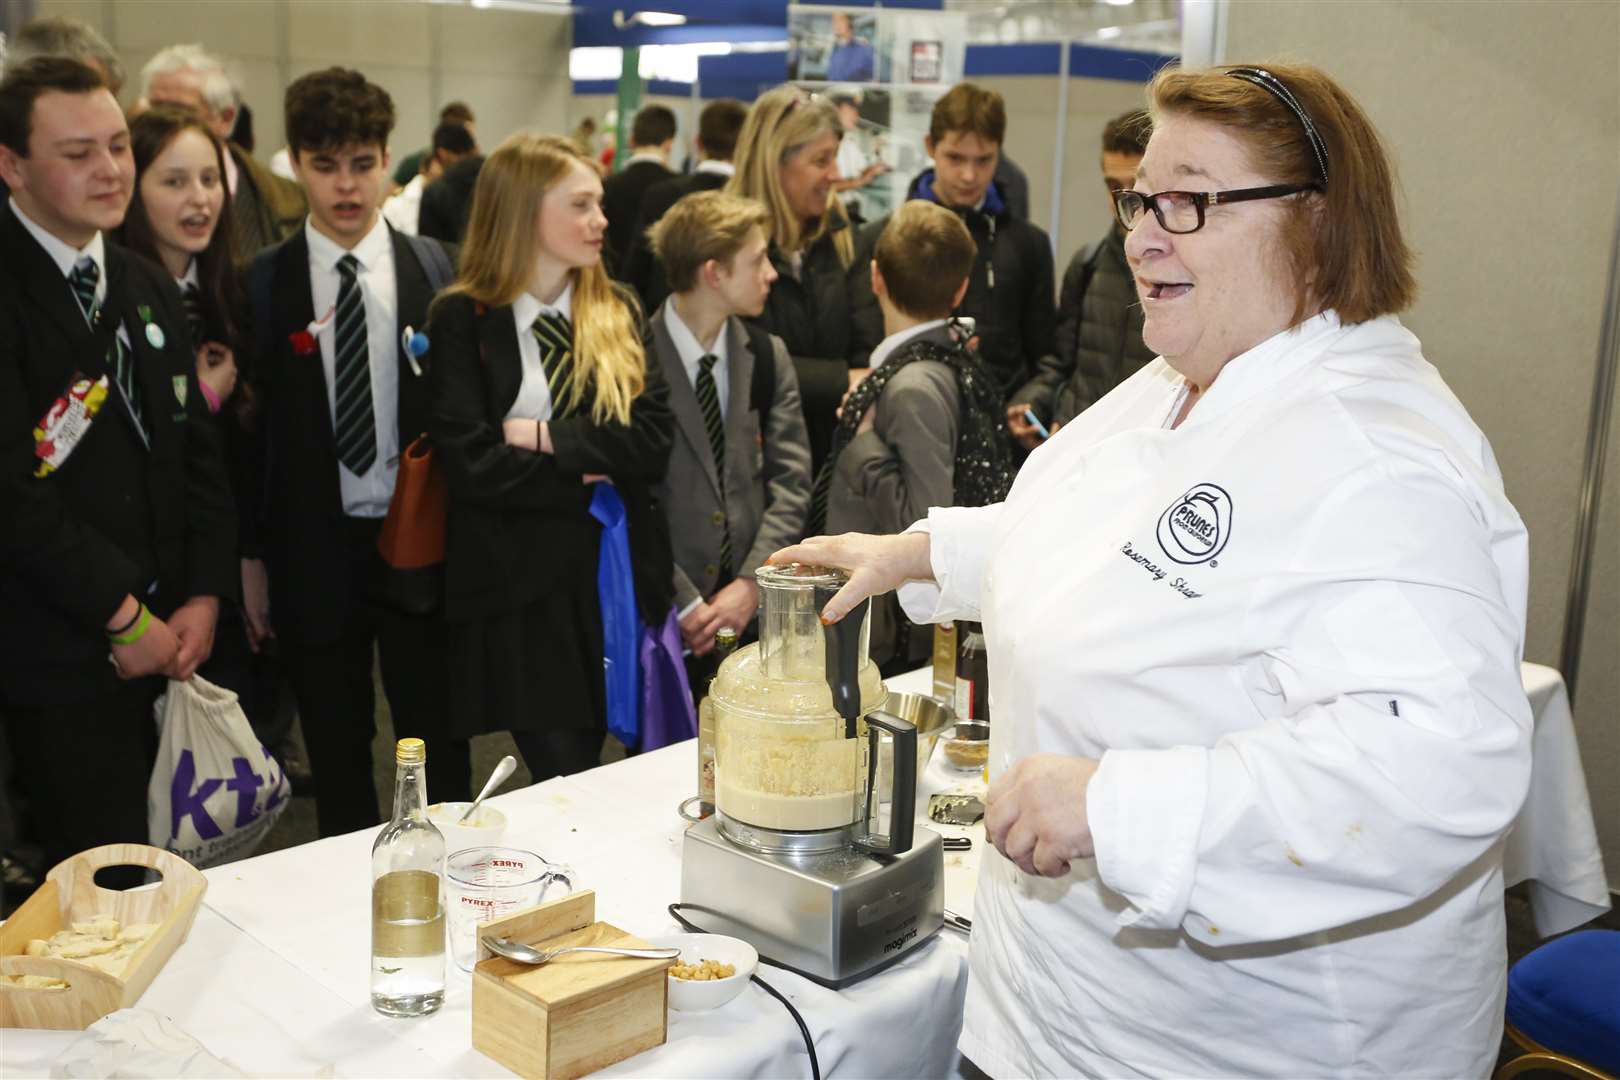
(643, 271)
(621, 203)
(519, 524)
(887, 478)
(293, 512)
(766, 494)
(117, 517)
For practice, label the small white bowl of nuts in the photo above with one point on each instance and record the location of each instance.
(711, 970)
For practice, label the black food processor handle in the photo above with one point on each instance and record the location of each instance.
(903, 797)
(843, 642)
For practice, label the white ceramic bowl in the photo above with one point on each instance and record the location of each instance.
(484, 830)
(687, 995)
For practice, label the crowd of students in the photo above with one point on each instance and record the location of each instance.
(726, 348)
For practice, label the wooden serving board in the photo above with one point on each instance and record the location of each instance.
(70, 894)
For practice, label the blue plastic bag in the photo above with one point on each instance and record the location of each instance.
(621, 623)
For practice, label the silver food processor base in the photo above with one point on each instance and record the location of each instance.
(834, 917)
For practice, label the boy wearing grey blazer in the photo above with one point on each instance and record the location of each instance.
(738, 485)
(903, 430)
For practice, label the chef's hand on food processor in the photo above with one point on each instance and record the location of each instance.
(876, 564)
(1035, 813)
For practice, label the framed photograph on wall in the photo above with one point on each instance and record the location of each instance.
(839, 46)
(927, 61)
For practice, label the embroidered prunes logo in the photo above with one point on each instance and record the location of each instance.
(1197, 525)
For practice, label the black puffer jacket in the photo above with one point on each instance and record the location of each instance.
(1099, 334)
(1010, 289)
(813, 311)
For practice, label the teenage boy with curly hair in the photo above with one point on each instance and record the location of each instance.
(341, 398)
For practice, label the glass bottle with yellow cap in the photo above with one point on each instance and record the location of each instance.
(407, 897)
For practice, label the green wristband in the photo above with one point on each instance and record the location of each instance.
(128, 626)
(129, 637)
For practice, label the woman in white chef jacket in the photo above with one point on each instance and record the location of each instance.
(1254, 623)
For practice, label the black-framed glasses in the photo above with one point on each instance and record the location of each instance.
(1182, 212)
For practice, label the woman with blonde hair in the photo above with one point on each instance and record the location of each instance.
(541, 388)
(787, 158)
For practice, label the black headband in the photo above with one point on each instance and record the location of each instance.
(1271, 84)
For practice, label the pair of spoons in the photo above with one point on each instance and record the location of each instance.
(528, 954)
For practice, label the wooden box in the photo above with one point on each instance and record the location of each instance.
(70, 894)
(577, 1014)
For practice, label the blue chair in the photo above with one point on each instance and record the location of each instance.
(1563, 1007)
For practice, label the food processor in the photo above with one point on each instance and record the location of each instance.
(812, 855)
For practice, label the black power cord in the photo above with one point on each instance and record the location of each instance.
(804, 1029)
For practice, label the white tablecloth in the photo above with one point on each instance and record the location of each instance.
(253, 1008)
(1554, 844)
(275, 975)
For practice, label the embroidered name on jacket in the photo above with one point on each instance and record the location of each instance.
(1180, 584)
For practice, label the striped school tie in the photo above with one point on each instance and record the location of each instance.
(83, 279)
(356, 426)
(708, 396)
(192, 299)
(556, 337)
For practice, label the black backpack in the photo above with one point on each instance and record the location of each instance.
(984, 469)
(762, 390)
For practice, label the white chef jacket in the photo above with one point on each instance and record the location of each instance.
(1290, 629)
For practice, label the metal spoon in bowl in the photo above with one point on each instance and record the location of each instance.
(505, 768)
(527, 954)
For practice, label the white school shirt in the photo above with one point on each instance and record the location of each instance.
(367, 495)
(533, 401)
(692, 352)
(1290, 629)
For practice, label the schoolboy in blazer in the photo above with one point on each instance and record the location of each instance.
(738, 485)
(896, 449)
(117, 537)
(652, 138)
(340, 399)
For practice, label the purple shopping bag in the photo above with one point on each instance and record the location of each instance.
(667, 713)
